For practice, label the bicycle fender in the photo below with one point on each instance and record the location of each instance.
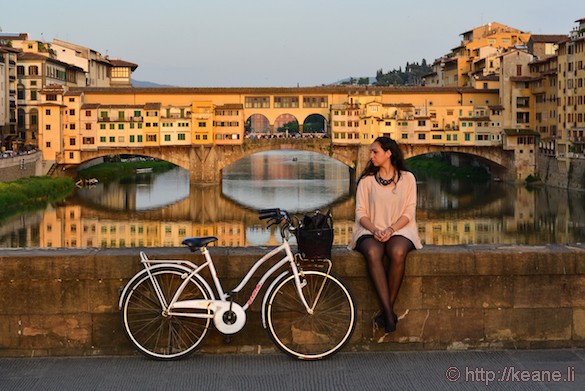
(268, 291)
(159, 266)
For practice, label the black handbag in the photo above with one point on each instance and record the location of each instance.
(315, 236)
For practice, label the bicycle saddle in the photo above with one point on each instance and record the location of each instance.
(198, 242)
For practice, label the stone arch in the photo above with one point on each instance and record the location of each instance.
(178, 155)
(461, 158)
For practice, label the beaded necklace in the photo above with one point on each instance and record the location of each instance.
(382, 181)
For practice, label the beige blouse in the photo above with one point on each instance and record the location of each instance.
(386, 204)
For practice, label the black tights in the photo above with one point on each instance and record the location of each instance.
(386, 282)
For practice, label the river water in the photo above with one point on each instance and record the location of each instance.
(153, 210)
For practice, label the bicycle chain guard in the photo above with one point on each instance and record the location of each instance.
(229, 321)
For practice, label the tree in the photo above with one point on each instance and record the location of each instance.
(413, 75)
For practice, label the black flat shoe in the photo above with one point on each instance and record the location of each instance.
(381, 322)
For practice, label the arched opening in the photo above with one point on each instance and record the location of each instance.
(293, 180)
(257, 124)
(286, 124)
(315, 123)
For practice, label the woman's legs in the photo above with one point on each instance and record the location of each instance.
(397, 248)
(387, 284)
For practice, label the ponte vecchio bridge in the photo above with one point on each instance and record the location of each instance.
(204, 130)
(206, 162)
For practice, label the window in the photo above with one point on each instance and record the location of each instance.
(33, 95)
(51, 97)
(286, 101)
(315, 102)
(88, 113)
(33, 70)
(131, 139)
(120, 72)
(257, 102)
(88, 126)
(167, 137)
(48, 127)
(48, 144)
(103, 126)
(88, 140)
(522, 102)
(181, 136)
(112, 139)
(151, 137)
(202, 124)
(102, 139)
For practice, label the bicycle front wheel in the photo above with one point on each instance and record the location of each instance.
(316, 336)
(159, 335)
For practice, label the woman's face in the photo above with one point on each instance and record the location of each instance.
(377, 155)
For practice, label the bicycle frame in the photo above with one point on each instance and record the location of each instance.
(223, 302)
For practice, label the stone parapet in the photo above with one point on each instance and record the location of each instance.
(64, 302)
(20, 166)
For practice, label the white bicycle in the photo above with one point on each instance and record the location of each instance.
(167, 308)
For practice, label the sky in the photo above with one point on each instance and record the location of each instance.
(275, 43)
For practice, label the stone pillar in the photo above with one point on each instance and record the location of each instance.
(203, 164)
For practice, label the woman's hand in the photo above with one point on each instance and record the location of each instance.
(383, 235)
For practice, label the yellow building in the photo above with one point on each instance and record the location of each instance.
(571, 94)
(476, 55)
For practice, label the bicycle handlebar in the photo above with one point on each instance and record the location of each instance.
(276, 215)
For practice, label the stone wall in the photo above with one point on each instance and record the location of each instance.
(20, 166)
(565, 174)
(64, 302)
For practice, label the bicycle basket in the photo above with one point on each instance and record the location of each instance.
(315, 236)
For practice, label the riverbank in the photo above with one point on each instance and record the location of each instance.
(440, 167)
(32, 193)
(109, 171)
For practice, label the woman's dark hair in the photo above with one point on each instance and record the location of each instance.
(396, 158)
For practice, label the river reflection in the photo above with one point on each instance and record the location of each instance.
(292, 180)
(162, 209)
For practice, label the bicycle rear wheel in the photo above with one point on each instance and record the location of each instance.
(155, 334)
(316, 336)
